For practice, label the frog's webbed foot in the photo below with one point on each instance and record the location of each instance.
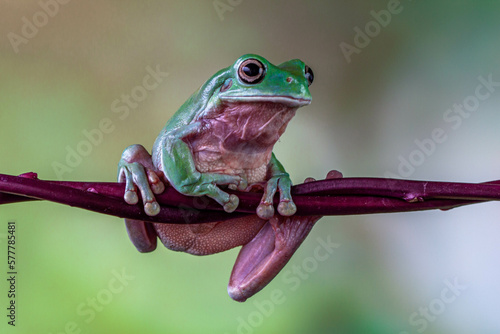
(262, 259)
(136, 169)
(286, 207)
(142, 234)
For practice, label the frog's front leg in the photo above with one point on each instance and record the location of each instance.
(278, 180)
(136, 170)
(179, 167)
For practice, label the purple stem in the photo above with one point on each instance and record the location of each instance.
(343, 196)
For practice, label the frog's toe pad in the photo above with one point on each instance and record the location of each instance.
(243, 184)
(287, 208)
(155, 183)
(232, 203)
(130, 197)
(265, 211)
(157, 187)
(236, 294)
(152, 208)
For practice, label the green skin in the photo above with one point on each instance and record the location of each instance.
(223, 136)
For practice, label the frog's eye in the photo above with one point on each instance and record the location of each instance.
(309, 75)
(251, 71)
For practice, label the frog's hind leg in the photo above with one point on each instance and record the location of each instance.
(142, 234)
(262, 259)
(209, 238)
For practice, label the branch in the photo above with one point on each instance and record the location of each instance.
(341, 196)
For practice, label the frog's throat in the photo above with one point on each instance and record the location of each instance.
(239, 135)
(255, 125)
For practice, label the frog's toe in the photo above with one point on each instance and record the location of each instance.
(157, 186)
(243, 184)
(287, 208)
(152, 208)
(131, 197)
(240, 184)
(236, 294)
(142, 235)
(232, 203)
(265, 210)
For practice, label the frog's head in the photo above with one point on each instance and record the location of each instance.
(253, 79)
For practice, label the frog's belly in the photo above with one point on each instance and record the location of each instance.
(253, 168)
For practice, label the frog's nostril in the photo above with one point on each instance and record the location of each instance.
(289, 79)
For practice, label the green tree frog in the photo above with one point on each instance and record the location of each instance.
(222, 137)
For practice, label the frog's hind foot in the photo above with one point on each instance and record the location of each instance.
(142, 234)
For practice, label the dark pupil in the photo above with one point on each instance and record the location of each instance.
(252, 70)
(309, 75)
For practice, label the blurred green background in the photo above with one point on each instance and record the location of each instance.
(63, 65)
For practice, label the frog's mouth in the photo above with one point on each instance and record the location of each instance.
(289, 101)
